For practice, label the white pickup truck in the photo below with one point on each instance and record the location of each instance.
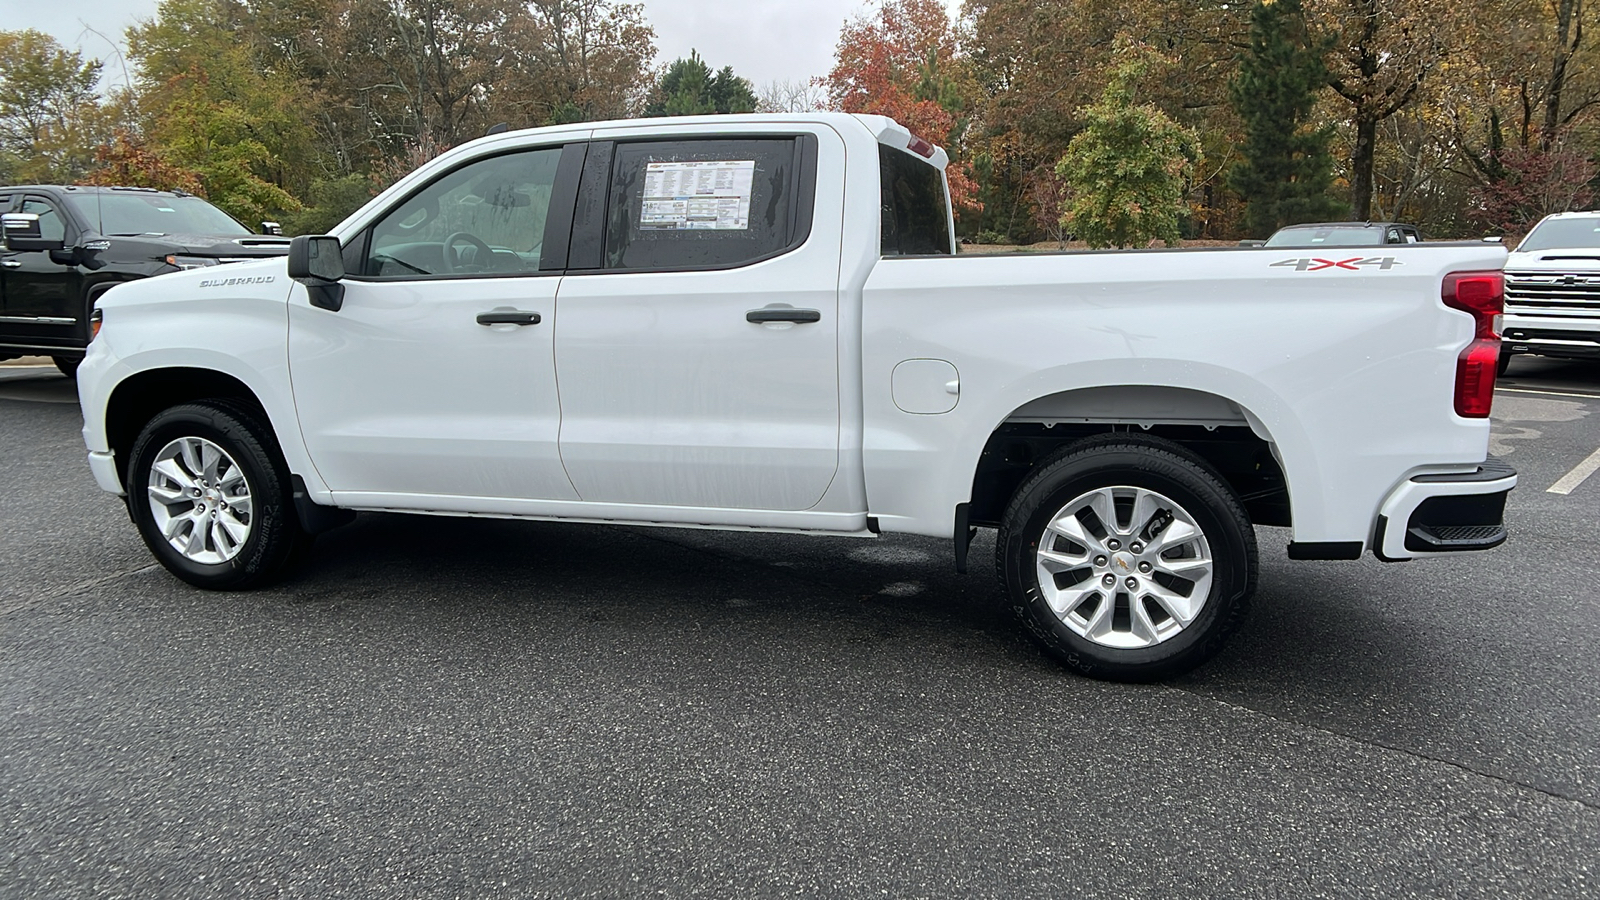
(1553, 289)
(761, 322)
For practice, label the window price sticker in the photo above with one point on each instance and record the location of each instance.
(697, 195)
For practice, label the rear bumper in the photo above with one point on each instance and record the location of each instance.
(1430, 515)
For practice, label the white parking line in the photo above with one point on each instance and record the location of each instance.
(1570, 481)
(1513, 390)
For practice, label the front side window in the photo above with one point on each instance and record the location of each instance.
(916, 219)
(485, 218)
(51, 226)
(702, 203)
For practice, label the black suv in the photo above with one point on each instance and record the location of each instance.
(65, 246)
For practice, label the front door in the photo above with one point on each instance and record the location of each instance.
(42, 299)
(436, 378)
(698, 345)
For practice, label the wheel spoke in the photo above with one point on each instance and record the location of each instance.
(237, 530)
(1179, 607)
(167, 496)
(1175, 534)
(240, 506)
(197, 537)
(1070, 528)
(1065, 600)
(190, 451)
(1104, 505)
(1145, 507)
(170, 469)
(1184, 568)
(210, 459)
(1139, 622)
(1101, 620)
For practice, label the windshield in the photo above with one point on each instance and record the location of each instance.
(1353, 236)
(1563, 234)
(140, 213)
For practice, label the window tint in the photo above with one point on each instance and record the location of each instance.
(1563, 234)
(486, 217)
(915, 218)
(51, 226)
(680, 204)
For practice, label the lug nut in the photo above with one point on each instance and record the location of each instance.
(1113, 545)
(1144, 567)
(1132, 583)
(1109, 580)
(1099, 560)
(1137, 548)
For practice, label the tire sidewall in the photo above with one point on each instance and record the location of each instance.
(256, 558)
(1201, 497)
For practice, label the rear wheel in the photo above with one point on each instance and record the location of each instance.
(212, 499)
(67, 364)
(1127, 558)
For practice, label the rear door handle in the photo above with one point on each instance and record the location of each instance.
(12, 263)
(782, 314)
(508, 317)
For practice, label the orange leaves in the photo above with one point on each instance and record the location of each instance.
(127, 161)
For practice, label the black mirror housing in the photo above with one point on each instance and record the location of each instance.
(22, 233)
(317, 261)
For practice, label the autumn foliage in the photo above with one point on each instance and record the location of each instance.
(901, 63)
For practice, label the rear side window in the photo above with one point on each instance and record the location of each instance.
(704, 203)
(916, 220)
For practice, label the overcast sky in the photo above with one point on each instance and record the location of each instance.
(764, 40)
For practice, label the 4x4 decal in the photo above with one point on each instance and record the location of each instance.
(1354, 263)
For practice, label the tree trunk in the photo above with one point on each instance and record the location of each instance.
(1361, 160)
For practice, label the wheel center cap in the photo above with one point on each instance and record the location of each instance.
(1124, 563)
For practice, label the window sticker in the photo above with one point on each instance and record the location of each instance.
(696, 195)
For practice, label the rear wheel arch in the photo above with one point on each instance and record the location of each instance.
(1228, 436)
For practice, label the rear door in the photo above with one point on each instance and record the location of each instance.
(698, 346)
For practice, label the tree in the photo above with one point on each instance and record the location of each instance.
(792, 96)
(688, 88)
(1382, 52)
(1128, 169)
(47, 97)
(1287, 168)
(902, 63)
(1534, 184)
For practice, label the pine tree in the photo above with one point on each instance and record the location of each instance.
(690, 89)
(1287, 168)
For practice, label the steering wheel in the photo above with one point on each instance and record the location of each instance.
(487, 252)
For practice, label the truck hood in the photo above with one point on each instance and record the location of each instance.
(1582, 259)
(247, 246)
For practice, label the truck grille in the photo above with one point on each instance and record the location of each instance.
(1553, 294)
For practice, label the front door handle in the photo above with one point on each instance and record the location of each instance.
(12, 263)
(782, 314)
(508, 317)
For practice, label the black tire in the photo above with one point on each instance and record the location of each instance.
(67, 365)
(275, 543)
(1503, 364)
(1152, 464)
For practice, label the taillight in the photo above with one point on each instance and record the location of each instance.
(1482, 295)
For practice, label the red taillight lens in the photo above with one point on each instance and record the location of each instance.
(920, 147)
(1482, 295)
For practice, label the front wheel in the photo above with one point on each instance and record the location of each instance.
(211, 498)
(1127, 558)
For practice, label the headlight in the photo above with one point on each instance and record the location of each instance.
(190, 262)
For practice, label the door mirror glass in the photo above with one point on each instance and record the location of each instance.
(316, 259)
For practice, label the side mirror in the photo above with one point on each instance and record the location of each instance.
(317, 261)
(22, 233)
(271, 227)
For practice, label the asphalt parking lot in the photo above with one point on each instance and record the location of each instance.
(445, 707)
